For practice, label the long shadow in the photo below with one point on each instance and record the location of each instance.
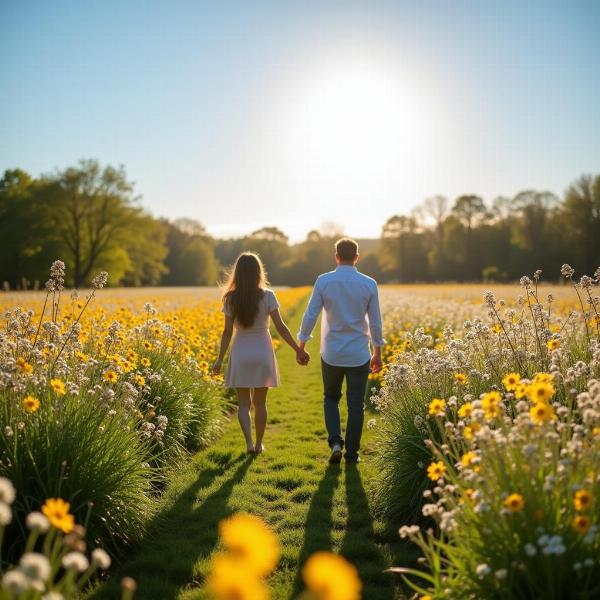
(359, 545)
(319, 522)
(179, 536)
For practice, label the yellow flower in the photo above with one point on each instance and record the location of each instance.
(470, 430)
(24, 366)
(58, 386)
(581, 524)
(540, 391)
(437, 407)
(231, 579)
(147, 345)
(521, 390)
(514, 502)
(510, 381)
(330, 577)
(139, 380)
(582, 500)
(145, 362)
(57, 512)
(553, 344)
(541, 413)
(110, 376)
(436, 470)
(30, 404)
(248, 538)
(490, 403)
(460, 378)
(496, 328)
(467, 458)
(465, 410)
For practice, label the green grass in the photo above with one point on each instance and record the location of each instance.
(310, 504)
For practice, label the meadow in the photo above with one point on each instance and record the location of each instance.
(482, 446)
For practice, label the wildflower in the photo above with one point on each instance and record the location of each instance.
(436, 470)
(230, 578)
(110, 376)
(514, 502)
(490, 403)
(581, 524)
(542, 413)
(139, 380)
(482, 570)
(24, 366)
(76, 561)
(37, 522)
(540, 391)
(583, 499)
(543, 378)
(101, 558)
(7, 491)
(147, 345)
(58, 387)
(36, 566)
(470, 430)
(467, 458)
(460, 378)
(567, 271)
(57, 511)
(145, 362)
(30, 404)
(248, 538)
(331, 577)
(465, 410)
(521, 390)
(437, 407)
(553, 344)
(16, 582)
(511, 381)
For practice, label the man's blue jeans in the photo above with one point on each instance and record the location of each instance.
(356, 385)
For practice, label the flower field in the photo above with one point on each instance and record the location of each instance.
(483, 449)
(102, 395)
(489, 439)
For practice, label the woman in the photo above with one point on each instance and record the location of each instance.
(252, 368)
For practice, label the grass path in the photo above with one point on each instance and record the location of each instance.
(310, 504)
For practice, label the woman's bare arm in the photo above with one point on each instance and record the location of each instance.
(301, 355)
(225, 341)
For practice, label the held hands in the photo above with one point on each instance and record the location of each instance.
(302, 356)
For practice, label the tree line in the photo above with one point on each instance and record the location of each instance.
(90, 217)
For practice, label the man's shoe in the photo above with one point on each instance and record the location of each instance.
(352, 460)
(336, 454)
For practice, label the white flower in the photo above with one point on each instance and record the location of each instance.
(7, 491)
(36, 521)
(482, 570)
(76, 561)
(530, 550)
(53, 596)
(5, 514)
(101, 558)
(36, 566)
(15, 581)
(501, 574)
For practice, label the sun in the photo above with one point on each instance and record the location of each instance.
(358, 117)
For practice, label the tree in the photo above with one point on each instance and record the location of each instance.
(92, 210)
(470, 210)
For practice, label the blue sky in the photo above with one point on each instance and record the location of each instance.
(243, 114)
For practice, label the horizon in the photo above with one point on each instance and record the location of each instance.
(243, 116)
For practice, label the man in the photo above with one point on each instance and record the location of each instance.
(350, 304)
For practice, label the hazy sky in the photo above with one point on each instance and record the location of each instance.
(250, 113)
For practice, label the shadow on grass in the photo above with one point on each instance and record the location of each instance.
(179, 536)
(319, 522)
(359, 544)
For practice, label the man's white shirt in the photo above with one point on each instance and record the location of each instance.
(351, 315)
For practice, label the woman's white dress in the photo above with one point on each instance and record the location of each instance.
(252, 360)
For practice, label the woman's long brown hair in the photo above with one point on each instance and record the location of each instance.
(245, 287)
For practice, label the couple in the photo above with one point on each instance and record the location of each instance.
(351, 316)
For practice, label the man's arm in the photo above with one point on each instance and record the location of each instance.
(309, 320)
(375, 330)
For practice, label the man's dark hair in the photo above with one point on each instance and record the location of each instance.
(346, 249)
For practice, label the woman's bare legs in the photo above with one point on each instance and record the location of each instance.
(244, 401)
(259, 399)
